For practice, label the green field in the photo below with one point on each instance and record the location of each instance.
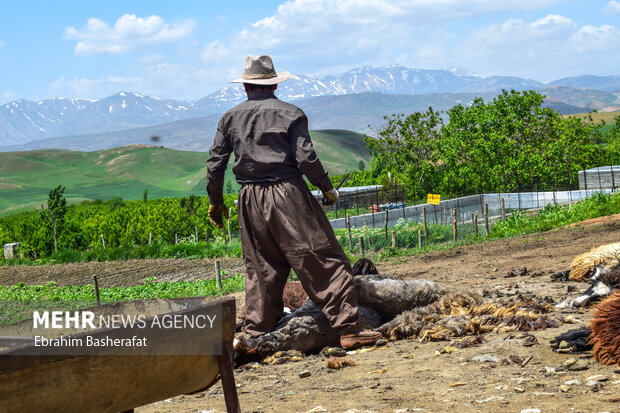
(27, 177)
(608, 117)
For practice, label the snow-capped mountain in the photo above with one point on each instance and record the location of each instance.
(22, 121)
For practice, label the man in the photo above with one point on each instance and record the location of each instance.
(281, 224)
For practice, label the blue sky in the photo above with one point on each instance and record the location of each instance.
(188, 49)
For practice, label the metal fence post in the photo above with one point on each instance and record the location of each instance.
(386, 223)
(348, 222)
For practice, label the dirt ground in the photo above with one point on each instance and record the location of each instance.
(406, 375)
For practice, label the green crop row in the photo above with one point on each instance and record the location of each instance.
(52, 296)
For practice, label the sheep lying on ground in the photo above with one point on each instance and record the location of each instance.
(601, 268)
(605, 325)
(379, 298)
(399, 309)
(586, 265)
(602, 335)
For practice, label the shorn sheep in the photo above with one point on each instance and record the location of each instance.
(400, 309)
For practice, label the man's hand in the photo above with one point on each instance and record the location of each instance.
(330, 197)
(215, 214)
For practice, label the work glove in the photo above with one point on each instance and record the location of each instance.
(330, 197)
(215, 214)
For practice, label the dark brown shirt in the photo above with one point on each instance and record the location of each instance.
(271, 143)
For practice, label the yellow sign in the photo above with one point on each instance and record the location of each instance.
(433, 199)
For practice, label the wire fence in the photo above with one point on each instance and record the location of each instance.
(452, 219)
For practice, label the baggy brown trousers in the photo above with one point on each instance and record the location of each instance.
(282, 226)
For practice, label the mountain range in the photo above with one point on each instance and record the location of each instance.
(355, 100)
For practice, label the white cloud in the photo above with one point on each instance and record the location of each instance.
(613, 8)
(315, 34)
(163, 79)
(545, 49)
(592, 38)
(129, 33)
(94, 88)
(520, 32)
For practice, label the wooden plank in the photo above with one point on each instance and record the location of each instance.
(112, 383)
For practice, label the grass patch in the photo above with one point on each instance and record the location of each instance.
(19, 300)
(123, 253)
(555, 216)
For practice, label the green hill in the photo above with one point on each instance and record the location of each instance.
(27, 177)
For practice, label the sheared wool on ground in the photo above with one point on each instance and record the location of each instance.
(461, 314)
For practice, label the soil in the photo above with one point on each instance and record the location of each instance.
(407, 375)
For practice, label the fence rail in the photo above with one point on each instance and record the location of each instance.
(464, 209)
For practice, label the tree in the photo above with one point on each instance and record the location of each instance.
(406, 147)
(512, 143)
(55, 212)
(229, 187)
(191, 206)
(361, 165)
(145, 195)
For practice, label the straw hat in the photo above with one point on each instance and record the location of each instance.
(259, 71)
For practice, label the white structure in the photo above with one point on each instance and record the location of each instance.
(11, 250)
(603, 177)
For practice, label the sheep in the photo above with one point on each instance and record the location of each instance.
(584, 266)
(601, 268)
(605, 330)
(400, 309)
(602, 335)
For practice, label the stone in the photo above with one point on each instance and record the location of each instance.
(579, 365)
(304, 374)
(569, 362)
(485, 358)
(597, 377)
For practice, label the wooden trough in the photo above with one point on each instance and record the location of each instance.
(120, 382)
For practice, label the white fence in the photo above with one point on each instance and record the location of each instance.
(467, 206)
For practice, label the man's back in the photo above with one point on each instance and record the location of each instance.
(271, 143)
(259, 132)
